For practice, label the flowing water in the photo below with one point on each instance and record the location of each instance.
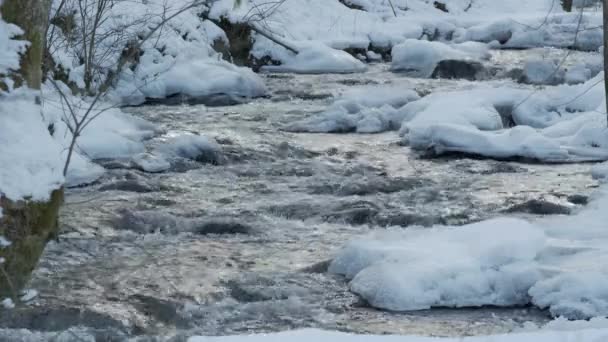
(145, 259)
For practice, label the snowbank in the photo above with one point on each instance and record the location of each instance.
(545, 335)
(368, 109)
(420, 58)
(561, 124)
(555, 263)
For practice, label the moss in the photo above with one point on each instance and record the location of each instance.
(29, 226)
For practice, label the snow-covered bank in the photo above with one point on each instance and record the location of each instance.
(558, 263)
(545, 335)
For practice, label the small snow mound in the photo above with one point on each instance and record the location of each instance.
(316, 58)
(543, 71)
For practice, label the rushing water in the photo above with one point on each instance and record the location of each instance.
(143, 262)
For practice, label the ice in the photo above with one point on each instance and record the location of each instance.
(419, 58)
(318, 58)
(554, 263)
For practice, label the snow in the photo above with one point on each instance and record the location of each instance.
(10, 48)
(28, 295)
(367, 109)
(4, 242)
(540, 71)
(318, 58)
(556, 332)
(419, 58)
(558, 263)
(30, 158)
(7, 303)
(560, 124)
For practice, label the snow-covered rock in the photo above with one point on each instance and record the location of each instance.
(317, 59)
(368, 109)
(419, 58)
(560, 124)
(194, 147)
(538, 71)
(554, 263)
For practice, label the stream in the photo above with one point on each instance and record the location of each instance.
(242, 245)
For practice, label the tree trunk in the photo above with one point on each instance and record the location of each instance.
(32, 17)
(567, 5)
(606, 54)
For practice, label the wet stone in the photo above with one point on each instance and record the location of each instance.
(578, 199)
(222, 226)
(130, 185)
(539, 207)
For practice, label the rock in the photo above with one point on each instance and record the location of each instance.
(539, 207)
(406, 220)
(129, 185)
(28, 226)
(193, 147)
(214, 100)
(222, 226)
(356, 213)
(440, 6)
(318, 268)
(578, 199)
(460, 69)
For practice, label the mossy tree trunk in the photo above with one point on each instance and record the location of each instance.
(32, 17)
(28, 226)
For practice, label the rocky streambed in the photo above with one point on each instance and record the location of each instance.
(240, 242)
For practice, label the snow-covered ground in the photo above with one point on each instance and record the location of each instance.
(545, 335)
